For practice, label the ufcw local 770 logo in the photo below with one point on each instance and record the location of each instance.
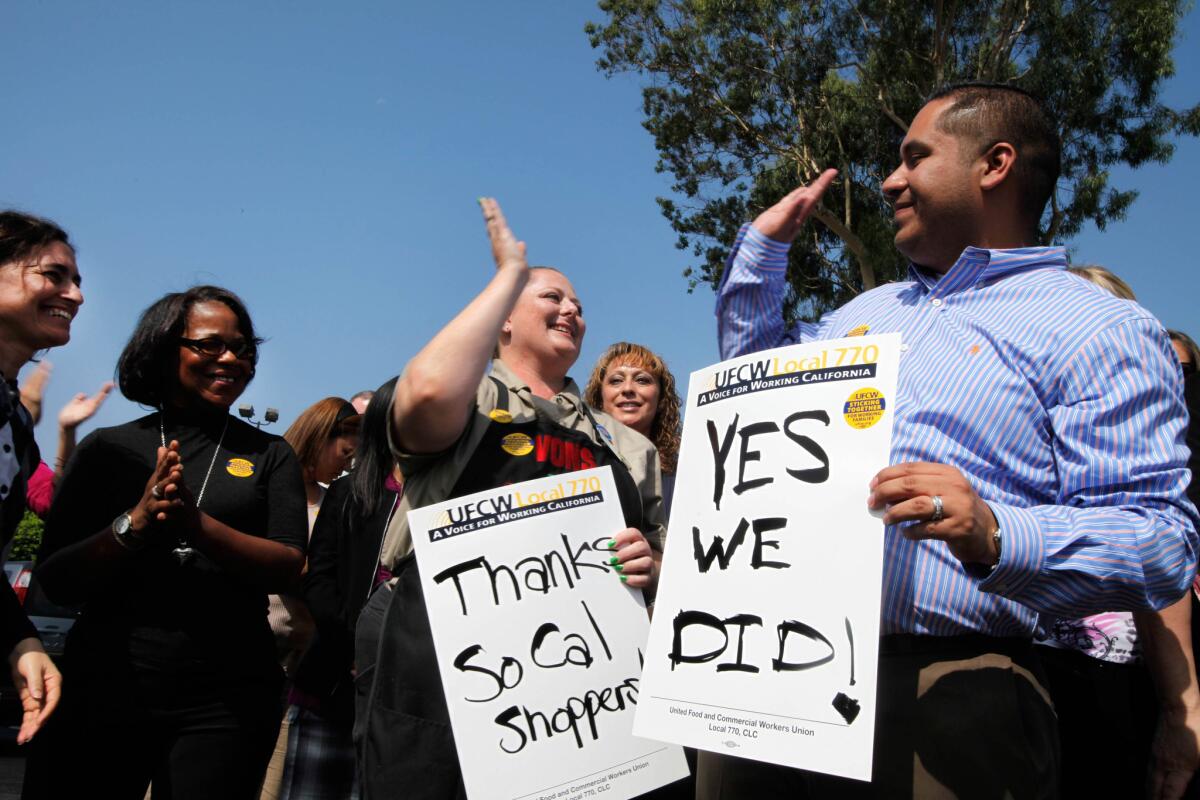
(824, 359)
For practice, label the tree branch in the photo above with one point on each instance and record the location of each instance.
(855, 245)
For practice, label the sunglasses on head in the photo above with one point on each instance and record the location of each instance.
(215, 347)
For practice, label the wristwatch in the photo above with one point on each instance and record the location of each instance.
(122, 529)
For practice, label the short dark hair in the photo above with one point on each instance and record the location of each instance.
(23, 234)
(987, 113)
(147, 366)
(1188, 344)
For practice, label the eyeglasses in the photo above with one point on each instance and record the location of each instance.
(215, 347)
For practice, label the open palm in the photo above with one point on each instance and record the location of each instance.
(80, 408)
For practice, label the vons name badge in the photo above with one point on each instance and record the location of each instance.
(239, 468)
(864, 408)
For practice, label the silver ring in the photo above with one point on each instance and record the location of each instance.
(156, 492)
(938, 510)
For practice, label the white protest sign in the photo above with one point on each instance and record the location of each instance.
(538, 642)
(765, 636)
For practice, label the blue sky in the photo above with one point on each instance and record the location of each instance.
(323, 160)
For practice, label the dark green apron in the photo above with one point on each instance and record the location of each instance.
(407, 748)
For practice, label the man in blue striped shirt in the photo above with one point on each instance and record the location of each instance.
(1037, 463)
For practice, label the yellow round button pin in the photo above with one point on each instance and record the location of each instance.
(239, 468)
(517, 444)
(864, 408)
(500, 415)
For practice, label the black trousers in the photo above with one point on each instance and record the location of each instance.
(194, 739)
(963, 716)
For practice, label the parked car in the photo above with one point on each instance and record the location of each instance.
(52, 622)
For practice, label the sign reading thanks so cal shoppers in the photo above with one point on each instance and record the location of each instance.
(766, 627)
(538, 641)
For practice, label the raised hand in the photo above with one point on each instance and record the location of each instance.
(782, 221)
(33, 389)
(507, 252)
(80, 408)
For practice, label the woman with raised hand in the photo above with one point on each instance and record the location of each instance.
(448, 426)
(632, 384)
(39, 296)
(168, 532)
(78, 410)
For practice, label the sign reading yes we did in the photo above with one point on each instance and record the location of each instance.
(766, 625)
(538, 642)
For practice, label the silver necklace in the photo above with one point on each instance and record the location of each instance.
(183, 550)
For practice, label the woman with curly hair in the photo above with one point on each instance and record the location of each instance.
(634, 386)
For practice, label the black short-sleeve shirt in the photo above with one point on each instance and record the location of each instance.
(159, 611)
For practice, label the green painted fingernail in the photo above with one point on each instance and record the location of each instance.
(614, 560)
(479, 200)
(624, 579)
(612, 544)
(619, 567)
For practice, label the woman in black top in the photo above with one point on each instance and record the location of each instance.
(168, 532)
(39, 296)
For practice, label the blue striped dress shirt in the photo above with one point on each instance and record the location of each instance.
(1061, 404)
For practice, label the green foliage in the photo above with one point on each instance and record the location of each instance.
(27, 539)
(747, 98)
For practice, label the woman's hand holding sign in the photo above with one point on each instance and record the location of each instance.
(942, 503)
(632, 558)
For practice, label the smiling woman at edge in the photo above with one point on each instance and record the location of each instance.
(449, 423)
(169, 531)
(39, 296)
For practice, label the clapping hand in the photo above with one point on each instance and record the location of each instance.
(33, 389)
(80, 408)
(161, 500)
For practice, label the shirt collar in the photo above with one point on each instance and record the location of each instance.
(977, 265)
(503, 373)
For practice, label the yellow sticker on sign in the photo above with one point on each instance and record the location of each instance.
(864, 408)
(239, 468)
(517, 444)
(500, 415)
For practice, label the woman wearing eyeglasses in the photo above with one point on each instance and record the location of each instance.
(168, 532)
